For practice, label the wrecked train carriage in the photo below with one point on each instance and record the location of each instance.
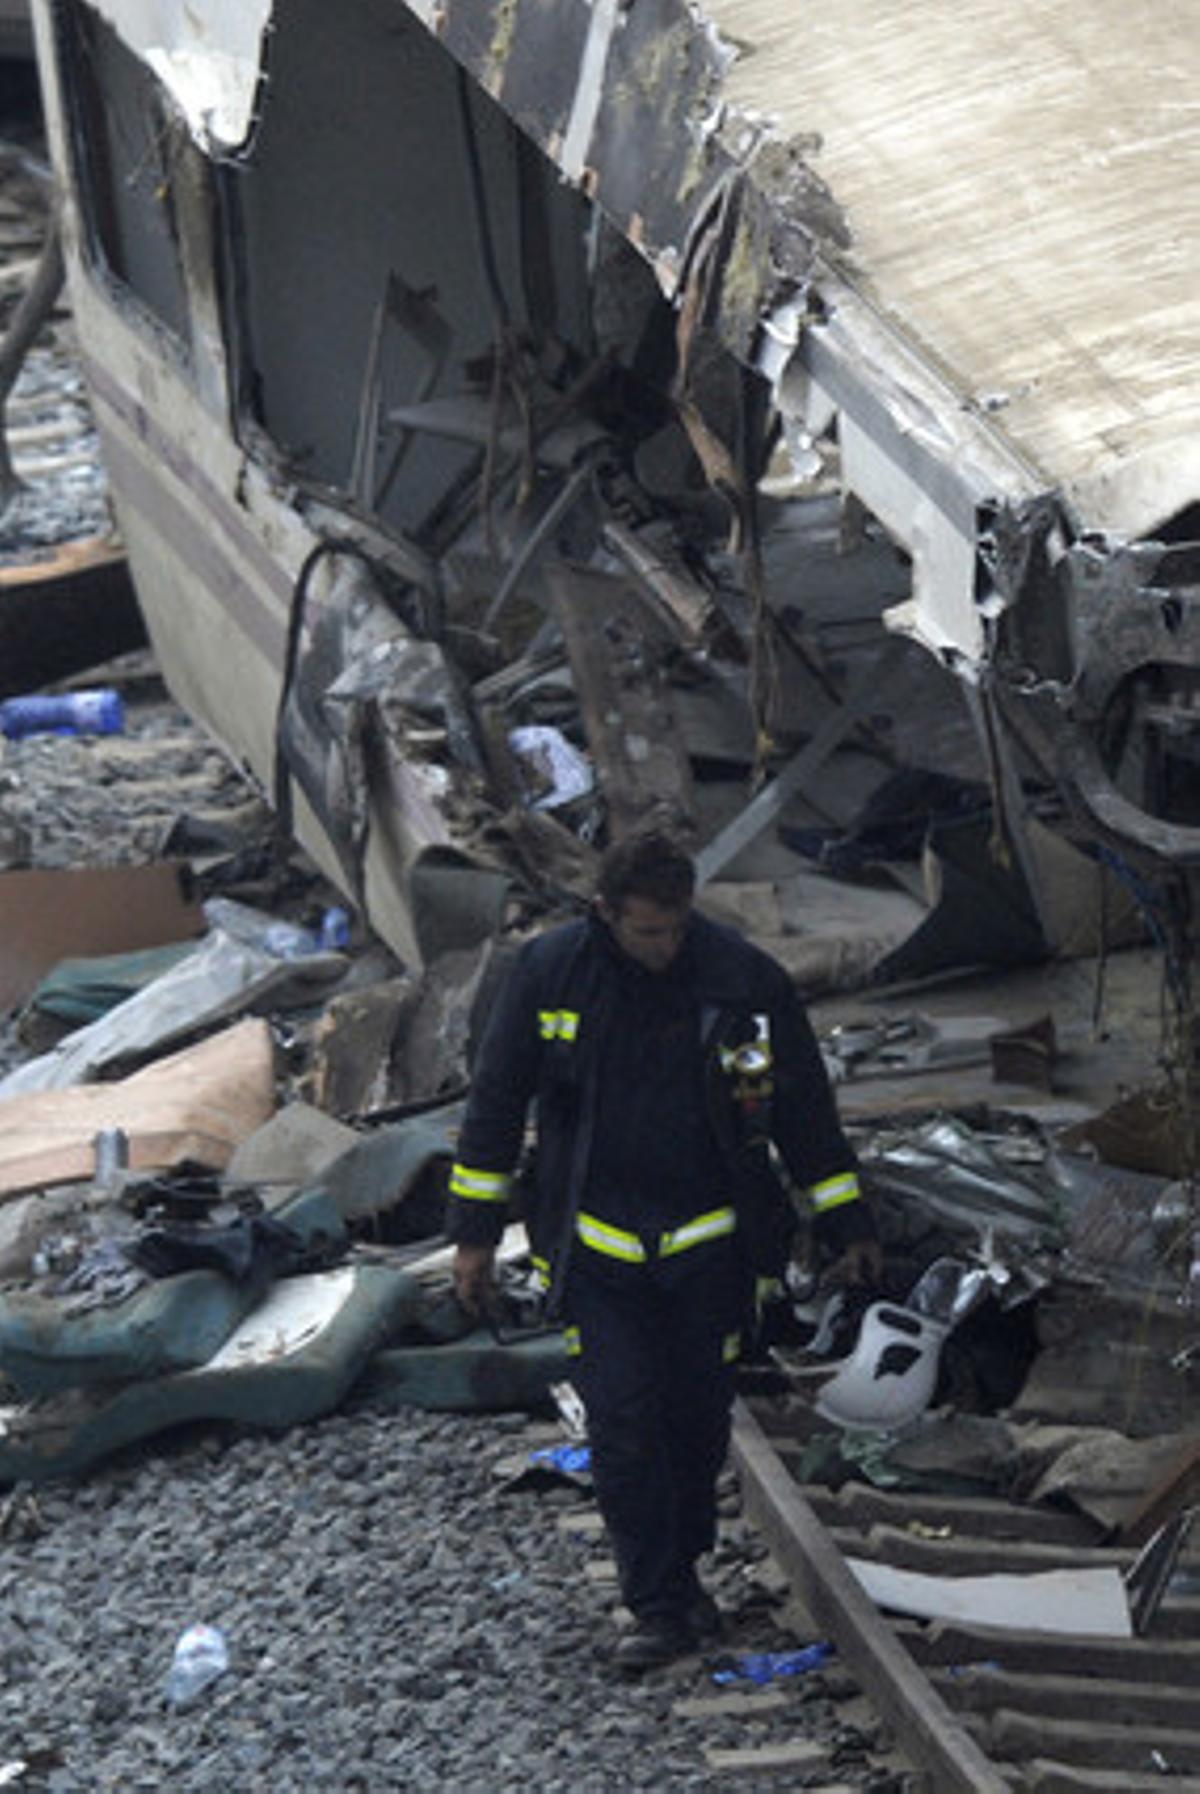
(380, 305)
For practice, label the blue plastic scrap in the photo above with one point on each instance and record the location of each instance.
(572, 1459)
(761, 1667)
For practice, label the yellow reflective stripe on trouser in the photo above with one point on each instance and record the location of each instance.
(614, 1242)
(713, 1226)
(479, 1186)
(572, 1342)
(731, 1348)
(618, 1242)
(834, 1191)
(558, 1024)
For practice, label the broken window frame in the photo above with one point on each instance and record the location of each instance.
(90, 133)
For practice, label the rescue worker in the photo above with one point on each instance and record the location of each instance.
(668, 1058)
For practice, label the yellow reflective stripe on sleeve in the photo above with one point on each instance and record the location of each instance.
(834, 1191)
(558, 1024)
(541, 1270)
(766, 1289)
(614, 1242)
(713, 1226)
(731, 1348)
(479, 1186)
(572, 1342)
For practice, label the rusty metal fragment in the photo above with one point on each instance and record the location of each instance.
(617, 653)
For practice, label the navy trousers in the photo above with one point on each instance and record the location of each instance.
(656, 1375)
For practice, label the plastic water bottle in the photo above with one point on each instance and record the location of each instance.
(288, 940)
(335, 928)
(99, 712)
(110, 1150)
(201, 1655)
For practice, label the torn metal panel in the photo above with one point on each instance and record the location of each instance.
(1020, 212)
(765, 807)
(902, 339)
(16, 31)
(628, 109)
(1112, 632)
(451, 371)
(617, 658)
(209, 59)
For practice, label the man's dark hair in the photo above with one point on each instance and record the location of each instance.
(651, 865)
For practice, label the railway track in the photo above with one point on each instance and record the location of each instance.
(978, 1709)
(66, 601)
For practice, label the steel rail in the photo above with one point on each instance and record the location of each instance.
(928, 1732)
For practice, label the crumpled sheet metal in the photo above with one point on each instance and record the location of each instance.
(625, 100)
(209, 58)
(1114, 1225)
(960, 1179)
(228, 973)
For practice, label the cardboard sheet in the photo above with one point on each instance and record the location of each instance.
(73, 913)
(195, 1105)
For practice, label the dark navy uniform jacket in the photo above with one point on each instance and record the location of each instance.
(661, 1101)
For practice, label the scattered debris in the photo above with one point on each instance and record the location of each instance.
(50, 916)
(1089, 1603)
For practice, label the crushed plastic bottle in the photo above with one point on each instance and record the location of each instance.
(201, 1655)
(761, 1667)
(99, 712)
(572, 1460)
(291, 940)
(288, 940)
(335, 928)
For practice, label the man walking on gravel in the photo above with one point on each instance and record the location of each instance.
(669, 1060)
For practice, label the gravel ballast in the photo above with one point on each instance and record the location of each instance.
(397, 1617)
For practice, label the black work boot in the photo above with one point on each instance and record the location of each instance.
(652, 1643)
(705, 1621)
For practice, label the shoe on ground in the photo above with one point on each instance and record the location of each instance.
(653, 1643)
(705, 1621)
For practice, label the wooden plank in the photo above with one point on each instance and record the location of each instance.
(1126, 1659)
(195, 1105)
(687, 602)
(972, 1557)
(67, 611)
(1179, 1488)
(927, 1730)
(744, 1704)
(986, 1690)
(1044, 1776)
(982, 1516)
(1090, 1743)
(589, 1522)
(756, 1759)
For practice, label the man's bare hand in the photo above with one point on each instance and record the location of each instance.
(474, 1279)
(861, 1264)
